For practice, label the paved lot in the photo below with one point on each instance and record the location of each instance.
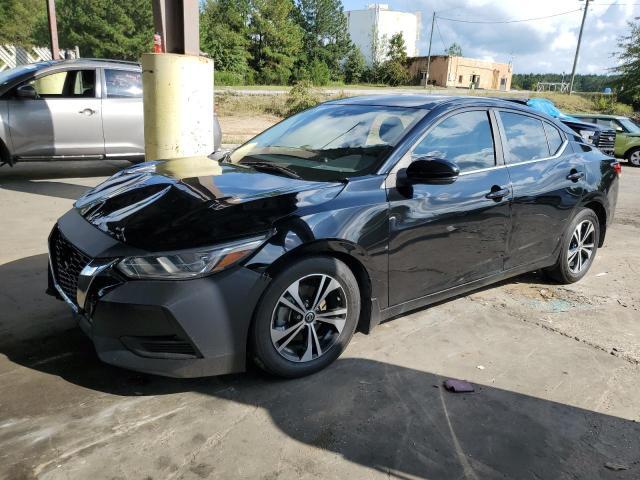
(557, 370)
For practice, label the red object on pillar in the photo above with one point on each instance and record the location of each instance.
(157, 43)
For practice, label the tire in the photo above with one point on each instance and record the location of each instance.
(585, 241)
(281, 338)
(633, 157)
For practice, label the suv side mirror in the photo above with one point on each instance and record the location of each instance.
(26, 91)
(432, 171)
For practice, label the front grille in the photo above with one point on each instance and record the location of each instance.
(67, 263)
(606, 140)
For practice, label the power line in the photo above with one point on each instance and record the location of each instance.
(440, 35)
(509, 21)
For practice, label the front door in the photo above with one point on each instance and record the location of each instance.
(64, 121)
(442, 236)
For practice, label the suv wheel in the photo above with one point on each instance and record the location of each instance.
(579, 247)
(306, 317)
(634, 157)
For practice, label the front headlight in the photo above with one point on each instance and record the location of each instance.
(189, 263)
(588, 135)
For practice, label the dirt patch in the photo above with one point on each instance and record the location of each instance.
(239, 129)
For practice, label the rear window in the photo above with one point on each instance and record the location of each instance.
(123, 83)
(525, 137)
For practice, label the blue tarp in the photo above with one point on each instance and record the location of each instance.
(546, 106)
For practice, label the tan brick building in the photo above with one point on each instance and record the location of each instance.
(462, 72)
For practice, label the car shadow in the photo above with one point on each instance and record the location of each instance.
(61, 169)
(394, 419)
(47, 188)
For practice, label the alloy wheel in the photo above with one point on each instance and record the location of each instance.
(634, 158)
(581, 246)
(309, 318)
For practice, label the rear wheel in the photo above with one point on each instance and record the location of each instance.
(579, 247)
(633, 157)
(306, 317)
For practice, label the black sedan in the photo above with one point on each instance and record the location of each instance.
(332, 221)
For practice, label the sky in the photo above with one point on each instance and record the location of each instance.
(540, 46)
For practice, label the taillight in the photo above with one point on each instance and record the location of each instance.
(617, 167)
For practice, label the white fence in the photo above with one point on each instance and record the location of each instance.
(12, 55)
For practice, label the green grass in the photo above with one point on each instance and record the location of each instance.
(228, 102)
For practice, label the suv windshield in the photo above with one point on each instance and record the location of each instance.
(331, 142)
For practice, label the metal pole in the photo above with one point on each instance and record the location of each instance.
(433, 21)
(177, 21)
(53, 29)
(575, 60)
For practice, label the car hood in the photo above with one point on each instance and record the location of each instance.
(193, 202)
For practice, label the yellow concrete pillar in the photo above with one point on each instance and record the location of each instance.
(178, 105)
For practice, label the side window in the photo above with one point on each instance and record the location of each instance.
(525, 137)
(123, 84)
(464, 139)
(554, 138)
(70, 84)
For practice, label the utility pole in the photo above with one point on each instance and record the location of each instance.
(575, 60)
(53, 29)
(433, 22)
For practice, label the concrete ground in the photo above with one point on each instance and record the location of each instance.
(556, 371)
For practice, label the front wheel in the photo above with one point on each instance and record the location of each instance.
(579, 247)
(306, 317)
(633, 157)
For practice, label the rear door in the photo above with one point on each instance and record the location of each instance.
(64, 121)
(548, 182)
(122, 113)
(442, 236)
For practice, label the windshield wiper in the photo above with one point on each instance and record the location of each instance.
(273, 167)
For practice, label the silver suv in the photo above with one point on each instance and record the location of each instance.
(73, 109)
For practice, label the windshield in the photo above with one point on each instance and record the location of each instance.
(13, 73)
(629, 125)
(331, 142)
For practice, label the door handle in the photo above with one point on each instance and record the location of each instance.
(87, 111)
(497, 193)
(574, 176)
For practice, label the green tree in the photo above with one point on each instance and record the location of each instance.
(629, 68)
(394, 70)
(224, 34)
(397, 48)
(394, 73)
(106, 28)
(319, 73)
(19, 21)
(454, 50)
(326, 34)
(276, 40)
(355, 66)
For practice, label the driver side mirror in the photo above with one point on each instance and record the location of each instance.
(619, 129)
(432, 171)
(27, 91)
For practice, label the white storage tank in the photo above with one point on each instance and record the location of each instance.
(377, 17)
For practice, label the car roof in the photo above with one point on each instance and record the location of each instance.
(427, 101)
(596, 115)
(87, 62)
